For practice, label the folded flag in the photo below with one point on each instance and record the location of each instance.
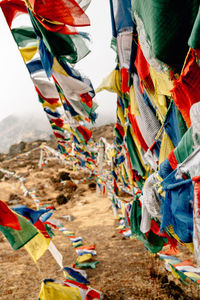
(68, 289)
(59, 44)
(193, 276)
(127, 233)
(87, 265)
(76, 275)
(85, 132)
(82, 252)
(75, 239)
(87, 247)
(62, 229)
(68, 233)
(51, 290)
(93, 295)
(84, 258)
(77, 244)
(82, 272)
(87, 293)
(72, 283)
(49, 230)
(24, 36)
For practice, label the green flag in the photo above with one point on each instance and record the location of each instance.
(18, 238)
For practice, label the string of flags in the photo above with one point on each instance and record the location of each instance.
(156, 136)
(105, 183)
(75, 276)
(50, 45)
(21, 181)
(87, 252)
(155, 153)
(26, 227)
(181, 269)
(15, 232)
(75, 282)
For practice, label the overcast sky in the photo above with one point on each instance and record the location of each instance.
(17, 91)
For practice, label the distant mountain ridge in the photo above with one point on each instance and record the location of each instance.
(28, 128)
(14, 129)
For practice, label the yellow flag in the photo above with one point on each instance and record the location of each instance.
(68, 128)
(51, 106)
(111, 83)
(123, 210)
(55, 291)
(68, 232)
(161, 81)
(159, 101)
(111, 153)
(120, 114)
(120, 227)
(133, 103)
(191, 274)
(75, 244)
(174, 273)
(190, 246)
(58, 68)
(83, 258)
(124, 174)
(28, 52)
(166, 148)
(37, 246)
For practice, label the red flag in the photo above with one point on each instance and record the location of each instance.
(87, 99)
(93, 294)
(115, 187)
(51, 101)
(58, 122)
(41, 227)
(12, 8)
(136, 131)
(86, 247)
(125, 80)
(7, 217)
(63, 11)
(58, 135)
(85, 132)
(142, 67)
(120, 129)
(187, 87)
(172, 160)
(56, 27)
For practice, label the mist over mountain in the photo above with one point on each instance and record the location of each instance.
(14, 129)
(31, 127)
(104, 119)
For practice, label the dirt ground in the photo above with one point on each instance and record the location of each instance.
(125, 271)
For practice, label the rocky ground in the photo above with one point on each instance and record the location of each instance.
(125, 271)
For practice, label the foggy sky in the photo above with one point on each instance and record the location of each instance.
(17, 91)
